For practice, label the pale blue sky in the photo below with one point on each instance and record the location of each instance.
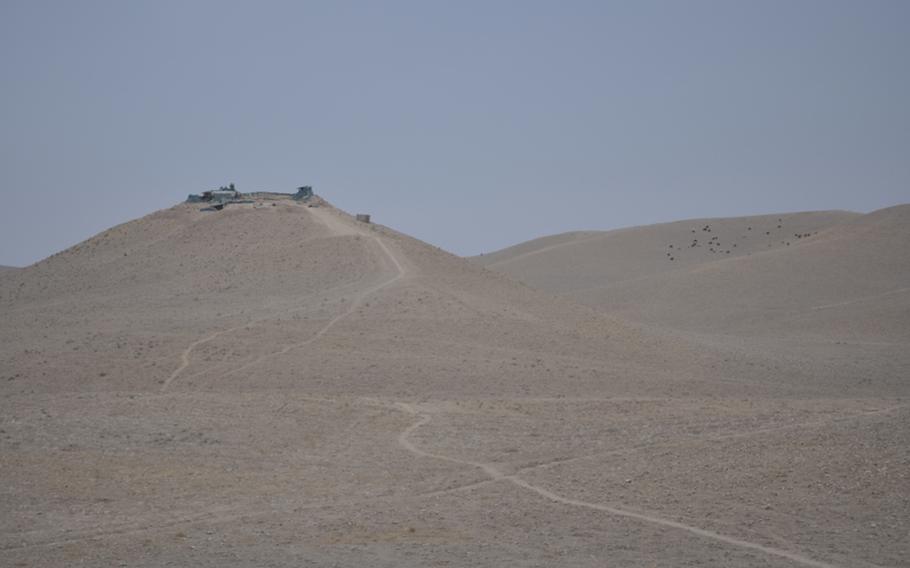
(471, 125)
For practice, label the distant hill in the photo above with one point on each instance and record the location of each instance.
(581, 260)
(820, 274)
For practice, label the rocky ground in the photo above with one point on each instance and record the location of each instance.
(280, 385)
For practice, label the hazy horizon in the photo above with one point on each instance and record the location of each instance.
(512, 120)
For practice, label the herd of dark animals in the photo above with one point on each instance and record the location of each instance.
(714, 245)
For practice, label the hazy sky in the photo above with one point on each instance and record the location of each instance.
(471, 125)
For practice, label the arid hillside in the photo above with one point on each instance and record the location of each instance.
(570, 262)
(808, 278)
(252, 285)
(277, 384)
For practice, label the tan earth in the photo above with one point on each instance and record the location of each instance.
(280, 385)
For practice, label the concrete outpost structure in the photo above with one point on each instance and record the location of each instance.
(222, 196)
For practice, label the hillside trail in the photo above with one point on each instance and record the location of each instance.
(220, 515)
(343, 227)
(338, 227)
(496, 475)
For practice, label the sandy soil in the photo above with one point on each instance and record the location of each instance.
(822, 291)
(280, 385)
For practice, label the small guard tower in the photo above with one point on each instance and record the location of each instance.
(304, 192)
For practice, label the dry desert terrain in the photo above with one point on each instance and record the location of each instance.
(280, 385)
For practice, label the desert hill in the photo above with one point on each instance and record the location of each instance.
(277, 384)
(851, 282)
(581, 260)
(823, 290)
(826, 275)
(115, 308)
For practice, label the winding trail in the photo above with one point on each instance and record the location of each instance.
(404, 442)
(400, 272)
(496, 475)
(185, 356)
(338, 228)
(222, 514)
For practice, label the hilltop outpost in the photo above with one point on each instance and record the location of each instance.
(226, 195)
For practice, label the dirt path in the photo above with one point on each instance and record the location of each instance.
(338, 227)
(185, 356)
(222, 515)
(497, 475)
